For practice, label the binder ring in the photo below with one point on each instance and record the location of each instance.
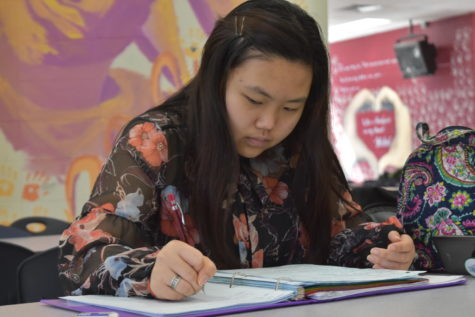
(232, 279)
(231, 283)
(277, 283)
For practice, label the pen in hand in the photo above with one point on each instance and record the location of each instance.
(179, 216)
(176, 207)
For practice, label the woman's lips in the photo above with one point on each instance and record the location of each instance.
(257, 142)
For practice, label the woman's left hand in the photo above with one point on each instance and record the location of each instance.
(397, 256)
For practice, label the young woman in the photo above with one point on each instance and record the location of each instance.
(235, 170)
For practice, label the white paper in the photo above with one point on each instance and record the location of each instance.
(310, 274)
(217, 297)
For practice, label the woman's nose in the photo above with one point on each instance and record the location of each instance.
(266, 120)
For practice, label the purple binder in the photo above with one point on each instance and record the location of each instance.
(69, 305)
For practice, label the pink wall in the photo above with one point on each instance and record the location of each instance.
(473, 41)
(442, 99)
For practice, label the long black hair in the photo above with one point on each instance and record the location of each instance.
(274, 28)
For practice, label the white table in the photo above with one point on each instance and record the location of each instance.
(439, 302)
(35, 243)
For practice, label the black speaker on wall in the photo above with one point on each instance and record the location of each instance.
(416, 57)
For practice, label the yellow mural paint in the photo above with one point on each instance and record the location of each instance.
(8, 177)
(36, 227)
(66, 19)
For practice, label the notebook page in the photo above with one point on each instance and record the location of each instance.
(309, 274)
(218, 296)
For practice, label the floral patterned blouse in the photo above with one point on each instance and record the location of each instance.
(131, 214)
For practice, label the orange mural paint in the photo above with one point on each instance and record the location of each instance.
(87, 163)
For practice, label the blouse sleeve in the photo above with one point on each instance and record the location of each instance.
(351, 246)
(109, 248)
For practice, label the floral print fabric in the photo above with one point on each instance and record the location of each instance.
(437, 191)
(131, 214)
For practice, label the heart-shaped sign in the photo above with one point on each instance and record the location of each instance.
(379, 129)
(376, 129)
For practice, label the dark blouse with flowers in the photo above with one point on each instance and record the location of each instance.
(111, 247)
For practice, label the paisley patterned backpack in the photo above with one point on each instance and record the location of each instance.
(437, 190)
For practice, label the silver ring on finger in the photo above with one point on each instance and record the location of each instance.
(174, 281)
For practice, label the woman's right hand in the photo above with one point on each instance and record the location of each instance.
(178, 258)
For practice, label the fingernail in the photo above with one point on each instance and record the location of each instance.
(370, 258)
(202, 281)
(375, 251)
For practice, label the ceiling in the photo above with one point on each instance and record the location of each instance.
(398, 11)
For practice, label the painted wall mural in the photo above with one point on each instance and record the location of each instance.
(375, 110)
(71, 74)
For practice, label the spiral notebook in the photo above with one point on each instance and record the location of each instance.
(232, 291)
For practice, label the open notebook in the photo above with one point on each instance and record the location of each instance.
(232, 291)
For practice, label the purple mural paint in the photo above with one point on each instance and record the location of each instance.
(203, 13)
(104, 36)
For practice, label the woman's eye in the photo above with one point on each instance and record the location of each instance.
(290, 109)
(253, 101)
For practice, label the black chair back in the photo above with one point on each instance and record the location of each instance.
(380, 212)
(13, 232)
(378, 203)
(52, 225)
(38, 277)
(12, 256)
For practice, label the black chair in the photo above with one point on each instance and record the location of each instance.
(380, 212)
(12, 255)
(378, 203)
(38, 277)
(368, 196)
(52, 225)
(12, 232)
